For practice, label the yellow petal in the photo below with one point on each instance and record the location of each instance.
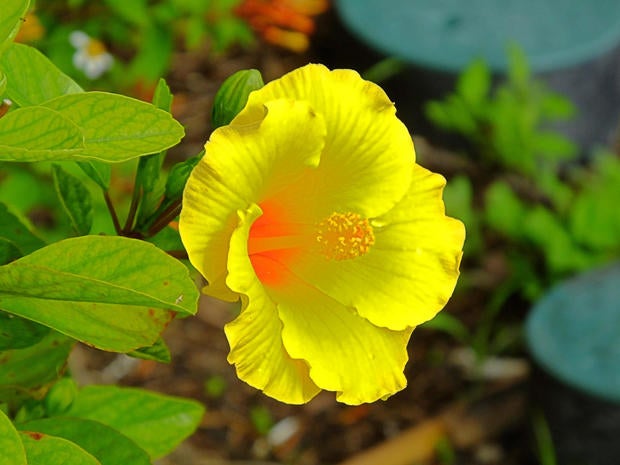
(346, 353)
(255, 336)
(244, 162)
(410, 271)
(366, 163)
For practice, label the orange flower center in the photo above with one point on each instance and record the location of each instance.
(343, 236)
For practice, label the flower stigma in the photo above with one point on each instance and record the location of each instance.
(343, 236)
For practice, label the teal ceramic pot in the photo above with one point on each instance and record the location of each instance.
(447, 34)
(573, 334)
(573, 45)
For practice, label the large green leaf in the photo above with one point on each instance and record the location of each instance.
(32, 77)
(88, 125)
(11, 447)
(24, 372)
(111, 292)
(42, 449)
(157, 423)
(12, 13)
(118, 128)
(12, 229)
(75, 199)
(39, 134)
(103, 442)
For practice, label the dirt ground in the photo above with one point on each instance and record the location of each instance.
(446, 415)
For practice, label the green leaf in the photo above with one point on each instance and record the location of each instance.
(179, 175)
(60, 397)
(167, 239)
(518, 66)
(17, 333)
(156, 422)
(114, 293)
(13, 452)
(384, 69)
(32, 77)
(549, 234)
(42, 449)
(96, 125)
(8, 251)
(39, 134)
(118, 128)
(173, 191)
(504, 211)
(98, 171)
(75, 200)
(149, 166)
(556, 107)
(149, 177)
(12, 13)
(553, 146)
(458, 198)
(15, 232)
(450, 325)
(153, 57)
(158, 352)
(25, 372)
(103, 442)
(593, 218)
(3, 82)
(162, 97)
(474, 83)
(135, 12)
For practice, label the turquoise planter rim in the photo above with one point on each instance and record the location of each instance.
(573, 332)
(448, 34)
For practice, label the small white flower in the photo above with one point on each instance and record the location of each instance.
(90, 56)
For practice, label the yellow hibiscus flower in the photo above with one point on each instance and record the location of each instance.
(310, 208)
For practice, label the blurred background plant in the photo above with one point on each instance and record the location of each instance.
(141, 35)
(527, 196)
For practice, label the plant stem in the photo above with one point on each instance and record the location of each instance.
(133, 209)
(169, 214)
(180, 254)
(110, 205)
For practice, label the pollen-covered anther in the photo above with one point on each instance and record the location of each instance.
(343, 236)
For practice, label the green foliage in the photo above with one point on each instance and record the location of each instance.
(78, 287)
(261, 419)
(21, 62)
(507, 125)
(140, 34)
(233, 95)
(10, 21)
(104, 443)
(13, 231)
(42, 449)
(75, 200)
(548, 215)
(17, 333)
(27, 372)
(157, 423)
(13, 452)
(60, 150)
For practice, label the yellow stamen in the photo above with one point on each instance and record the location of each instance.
(343, 236)
(95, 48)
